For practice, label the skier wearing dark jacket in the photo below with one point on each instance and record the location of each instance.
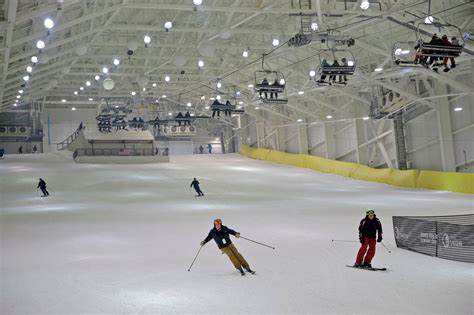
(42, 186)
(221, 235)
(369, 227)
(195, 184)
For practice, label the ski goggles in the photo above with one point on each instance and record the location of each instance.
(217, 221)
(370, 211)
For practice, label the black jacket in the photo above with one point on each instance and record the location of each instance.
(42, 184)
(369, 228)
(194, 183)
(221, 237)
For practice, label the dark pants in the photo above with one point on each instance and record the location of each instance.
(44, 191)
(198, 190)
(368, 250)
(214, 111)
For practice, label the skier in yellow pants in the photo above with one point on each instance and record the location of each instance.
(221, 235)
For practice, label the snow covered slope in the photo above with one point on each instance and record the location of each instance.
(119, 239)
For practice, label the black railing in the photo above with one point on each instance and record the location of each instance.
(448, 237)
(121, 152)
(63, 144)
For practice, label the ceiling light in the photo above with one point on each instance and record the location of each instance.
(81, 88)
(34, 59)
(167, 78)
(192, 115)
(458, 109)
(398, 52)
(429, 19)
(116, 62)
(256, 108)
(133, 93)
(250, 85)
(157, 101)
(73, 108)
(219, 85)
(90, 99)
(239, 107)
(276, 42)
(105, 70)
(154, 84)
(97, 78)
(29, 69)
(203, 97)
(350, 63)
(147, 39)
(116, 106)
(63, 100)
(170, 114)
(366, 118)
(40, 44)
(237, 93)
(20, 91)
(314, 26)
(282, 81)
(163, 96)
(405, 52)
(48, 23)
(212, 98)
(197, 2)
(217, 139)
(189, 104)
(241, 102)
(207, 107)
(328, 116)
(378, 69)
(301, 92)
(75, 92)
(364, 4)
(88, 83)
(18, 96)
(218, 97)
(299, 120)
(15, 104)
(16, 101)
(144, 89)
(168, 25)
(312, 73)
(245, 54)
(26, 77)
(200, 63)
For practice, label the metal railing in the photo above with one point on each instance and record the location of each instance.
(121, 152)
(63, 144)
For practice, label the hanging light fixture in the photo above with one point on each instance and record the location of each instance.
(116, 61)
(146, 40)
(168, 25)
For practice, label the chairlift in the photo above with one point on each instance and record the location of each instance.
(343, 64)
(228, 108)
(272, 84)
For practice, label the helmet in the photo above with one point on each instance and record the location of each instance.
(370, 211)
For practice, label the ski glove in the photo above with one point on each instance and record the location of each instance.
(379, 239)
(362, 239)
(202, 243)
(237, 235)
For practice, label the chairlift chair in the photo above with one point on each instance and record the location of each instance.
(332, 71)
(276, 85)
(441, 51)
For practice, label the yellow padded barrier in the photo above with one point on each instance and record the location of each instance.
(457, 182)
(460, 182)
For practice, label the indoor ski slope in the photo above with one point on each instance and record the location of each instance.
(119, 239)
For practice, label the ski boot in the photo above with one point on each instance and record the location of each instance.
(367, 265)
(250, 270)
(356, 265)
(242, 273)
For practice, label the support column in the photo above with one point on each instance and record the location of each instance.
(303, 138)
(445, 130)
(330, 141)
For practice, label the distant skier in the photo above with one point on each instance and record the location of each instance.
(20, 150)
(209, 147)
(220, 234)
(42, 186)
(35, 148)
(368, 228)
(201, 149)
(2, 152)
(195, 184)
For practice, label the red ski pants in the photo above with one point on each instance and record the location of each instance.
(369, 244)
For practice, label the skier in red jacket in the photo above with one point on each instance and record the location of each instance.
(368, 228)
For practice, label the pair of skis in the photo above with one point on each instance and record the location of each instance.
(367, 268)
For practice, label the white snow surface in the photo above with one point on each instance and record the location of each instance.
(119, 239)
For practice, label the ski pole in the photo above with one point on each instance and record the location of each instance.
(189, 269)
(36, 191)
(386, 247)
(257, 242)
(349, 241)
